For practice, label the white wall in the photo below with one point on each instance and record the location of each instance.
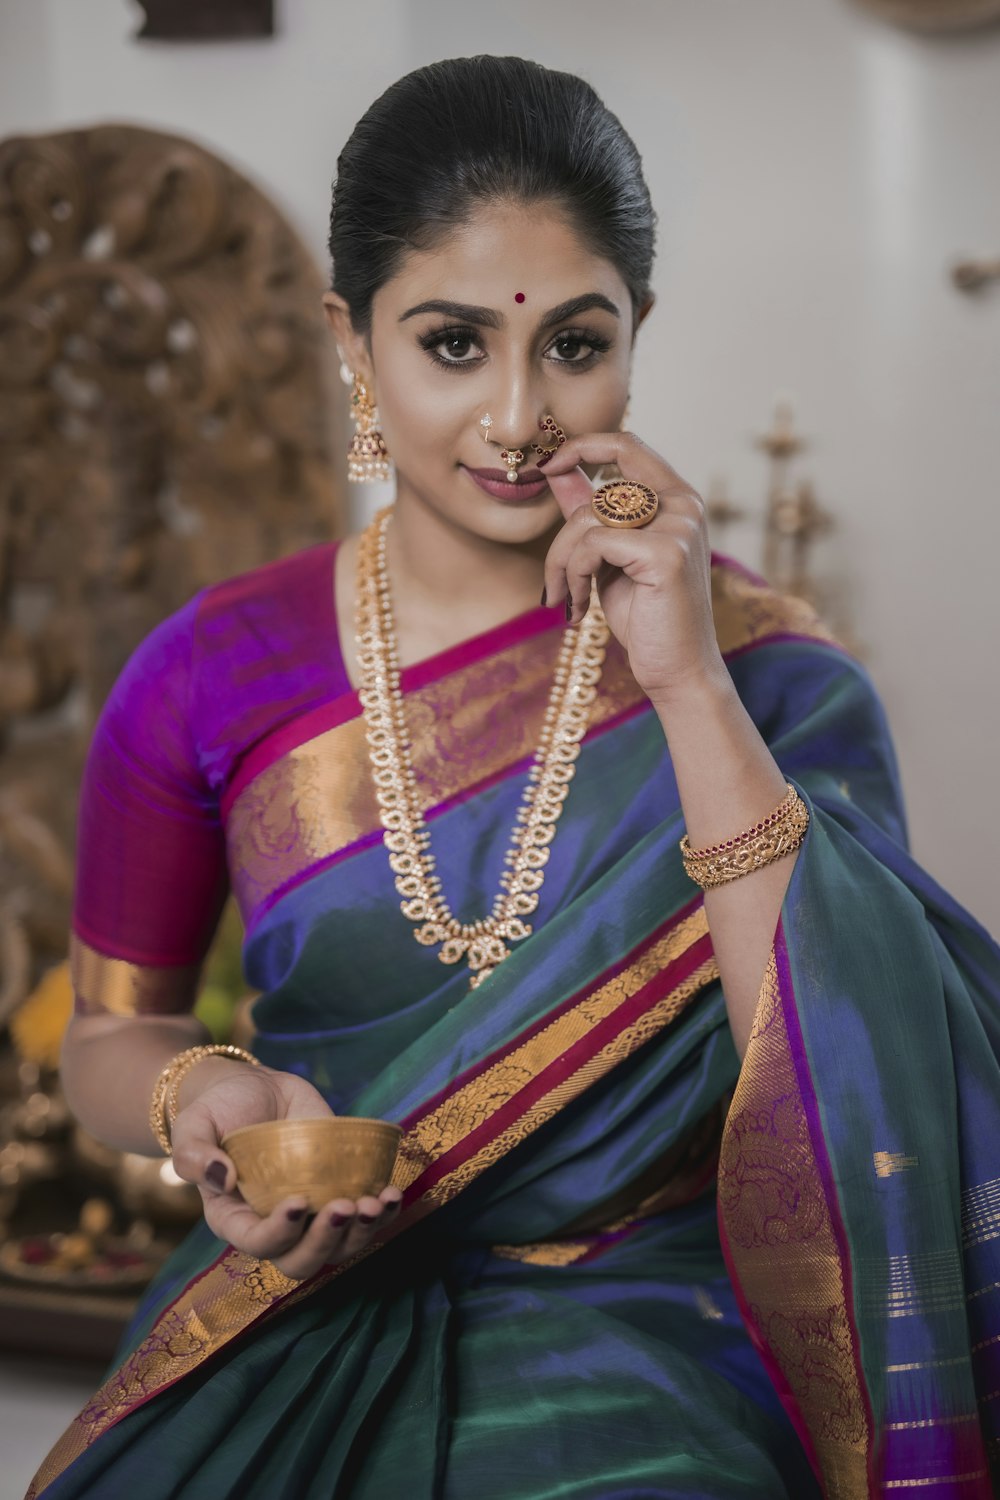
(815, 173)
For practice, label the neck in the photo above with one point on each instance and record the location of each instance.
(442, 571)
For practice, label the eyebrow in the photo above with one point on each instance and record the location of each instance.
(487, 317)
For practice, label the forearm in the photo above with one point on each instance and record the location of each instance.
(109, 1067)
(728, 780)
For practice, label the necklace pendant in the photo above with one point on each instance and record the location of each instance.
(484, 944)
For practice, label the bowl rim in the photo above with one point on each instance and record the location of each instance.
(322, 1120)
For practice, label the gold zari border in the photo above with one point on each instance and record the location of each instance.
(466, 728)
(785, 1253)
(237, 1290)
(112, 986)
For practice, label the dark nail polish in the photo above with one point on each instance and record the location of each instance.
(569, 609)
(367, 1218)
(338, 1220)
(544, 458)
(545, 597)
(294, 1214)
(215, 1175)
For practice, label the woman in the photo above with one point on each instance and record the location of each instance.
(785, 1020)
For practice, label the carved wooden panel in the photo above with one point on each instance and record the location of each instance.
(169, 416)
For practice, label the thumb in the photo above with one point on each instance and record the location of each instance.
(197, 1154)
(572, 490)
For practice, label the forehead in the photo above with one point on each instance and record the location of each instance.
(503, 249)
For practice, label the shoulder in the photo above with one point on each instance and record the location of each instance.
(274, 597)
(749, 611)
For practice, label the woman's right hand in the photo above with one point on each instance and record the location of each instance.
(240, 1094)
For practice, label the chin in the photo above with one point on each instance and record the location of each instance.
(516, 524)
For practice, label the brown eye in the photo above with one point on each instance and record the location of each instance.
(451, 346)
(456, 346)
(580, 347)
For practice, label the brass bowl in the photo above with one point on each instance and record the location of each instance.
(337, 1156)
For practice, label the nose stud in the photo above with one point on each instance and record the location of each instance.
(553, 438)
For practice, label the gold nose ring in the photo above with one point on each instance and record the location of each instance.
(486, 422)
(511, 457)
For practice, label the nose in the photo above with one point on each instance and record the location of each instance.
(517, 412)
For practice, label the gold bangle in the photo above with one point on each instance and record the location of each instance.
(166, 1090)
(780, 833)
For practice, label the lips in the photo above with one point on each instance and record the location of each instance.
(529, 485)
(524, 476)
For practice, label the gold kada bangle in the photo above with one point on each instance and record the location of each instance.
(774, 836)
(166, 1090)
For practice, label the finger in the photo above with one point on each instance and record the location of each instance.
(323, 1243)
(341, 1229)
(634, 459)
(597, 547)
(649, 559)
(197, 1155)
(231, 1218)
(573, 490)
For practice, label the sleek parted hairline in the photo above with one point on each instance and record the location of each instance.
(473, 130)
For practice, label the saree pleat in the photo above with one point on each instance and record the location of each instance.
(568, 1306)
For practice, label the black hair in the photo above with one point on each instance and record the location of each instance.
(470, 130)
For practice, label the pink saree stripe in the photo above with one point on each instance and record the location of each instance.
(568, 1063)
(597, 983)
(338, 711)
(374, 836)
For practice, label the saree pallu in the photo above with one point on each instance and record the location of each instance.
(626, 1266)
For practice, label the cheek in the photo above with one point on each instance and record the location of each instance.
(422, 415)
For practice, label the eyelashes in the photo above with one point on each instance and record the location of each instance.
(576, 338)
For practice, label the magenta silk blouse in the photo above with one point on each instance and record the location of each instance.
(236, 662)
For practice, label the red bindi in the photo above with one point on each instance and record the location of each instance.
(518, 296)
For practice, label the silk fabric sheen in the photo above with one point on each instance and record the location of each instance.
(594, 1289)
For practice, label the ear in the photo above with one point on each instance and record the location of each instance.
(351, 345)
(643, 313)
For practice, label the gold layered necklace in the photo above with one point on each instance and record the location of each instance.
(483, 944)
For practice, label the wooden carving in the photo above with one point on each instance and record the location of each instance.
(167, 418)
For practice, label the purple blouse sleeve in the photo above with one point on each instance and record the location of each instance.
(151, 876)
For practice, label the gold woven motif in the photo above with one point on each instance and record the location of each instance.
(113, 986)
(784, 1247)
(888, 1163)
(237, 1290)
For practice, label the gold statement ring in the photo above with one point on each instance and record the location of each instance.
(625, 503)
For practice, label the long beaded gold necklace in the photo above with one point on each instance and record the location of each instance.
(578, 671)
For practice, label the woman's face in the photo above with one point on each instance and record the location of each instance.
(514, 315)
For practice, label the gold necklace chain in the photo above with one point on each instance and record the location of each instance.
(578, 672)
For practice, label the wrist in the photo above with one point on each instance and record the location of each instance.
(705, 691)
(166, 1101)
(208, 1071)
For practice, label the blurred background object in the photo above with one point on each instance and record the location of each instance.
(167, 420)
(936, 15)
(205, 20)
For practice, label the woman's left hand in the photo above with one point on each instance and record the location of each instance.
(653, 581)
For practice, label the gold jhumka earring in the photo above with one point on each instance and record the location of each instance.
(367, 456)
